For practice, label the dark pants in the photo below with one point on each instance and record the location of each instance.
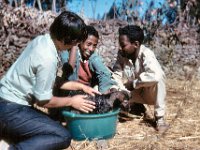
(28, 129)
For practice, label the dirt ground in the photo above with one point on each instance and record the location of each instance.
(182, 114)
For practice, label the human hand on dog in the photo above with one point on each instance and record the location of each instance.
(90, 90)
(81, 103)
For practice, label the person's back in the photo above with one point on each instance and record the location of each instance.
(30, 80)
(20, 79)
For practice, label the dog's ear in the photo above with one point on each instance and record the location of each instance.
(125, 105)
(126, 95)
(114, 100)
(121, 96)
(115, 96)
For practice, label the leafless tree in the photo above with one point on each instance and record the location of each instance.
(53, 6)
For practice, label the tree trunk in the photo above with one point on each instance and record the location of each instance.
(39, 5)
(54, 5)
(22, 2)
(16, 4)
(93, 8)
(34, 3)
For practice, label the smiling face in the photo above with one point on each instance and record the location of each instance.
(128, 49)
(88, 46)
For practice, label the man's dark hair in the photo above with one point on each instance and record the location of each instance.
(133, 32)
(91, 31)
(68, 27)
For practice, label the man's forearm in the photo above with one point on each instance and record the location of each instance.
(56, 102)
(72, 85)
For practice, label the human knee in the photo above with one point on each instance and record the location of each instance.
(65, 137)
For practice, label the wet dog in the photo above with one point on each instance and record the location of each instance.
(105, 102)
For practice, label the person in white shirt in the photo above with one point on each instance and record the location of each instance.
(31, 79)
(138, 71)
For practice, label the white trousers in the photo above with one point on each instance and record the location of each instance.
(153, 95)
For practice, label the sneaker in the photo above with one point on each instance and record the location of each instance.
(161, 125)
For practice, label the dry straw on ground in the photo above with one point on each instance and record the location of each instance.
(182, 114)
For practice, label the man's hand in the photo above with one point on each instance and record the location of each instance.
(80, 102)
(129, 85)
(90, 90)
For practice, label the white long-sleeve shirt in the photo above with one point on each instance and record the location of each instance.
(146, 71)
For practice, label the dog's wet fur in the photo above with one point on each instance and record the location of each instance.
(103, 103)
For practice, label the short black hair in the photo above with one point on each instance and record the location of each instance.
(68, 27)
(91, 31)
(133, 32)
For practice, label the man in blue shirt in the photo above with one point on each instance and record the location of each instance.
(88, 67)
(30, 80)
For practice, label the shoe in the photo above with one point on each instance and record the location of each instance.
(161, 125)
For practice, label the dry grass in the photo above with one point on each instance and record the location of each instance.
(182, 114)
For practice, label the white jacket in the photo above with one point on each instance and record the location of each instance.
(145, 72)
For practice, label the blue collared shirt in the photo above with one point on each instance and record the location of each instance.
(33, 73)
(101, 74)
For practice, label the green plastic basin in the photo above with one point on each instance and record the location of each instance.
(91, 126)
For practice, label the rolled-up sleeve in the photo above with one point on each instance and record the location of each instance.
(118, 72)
(45, 78)
(103, 74)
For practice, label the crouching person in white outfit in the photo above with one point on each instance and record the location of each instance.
(138, 71)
